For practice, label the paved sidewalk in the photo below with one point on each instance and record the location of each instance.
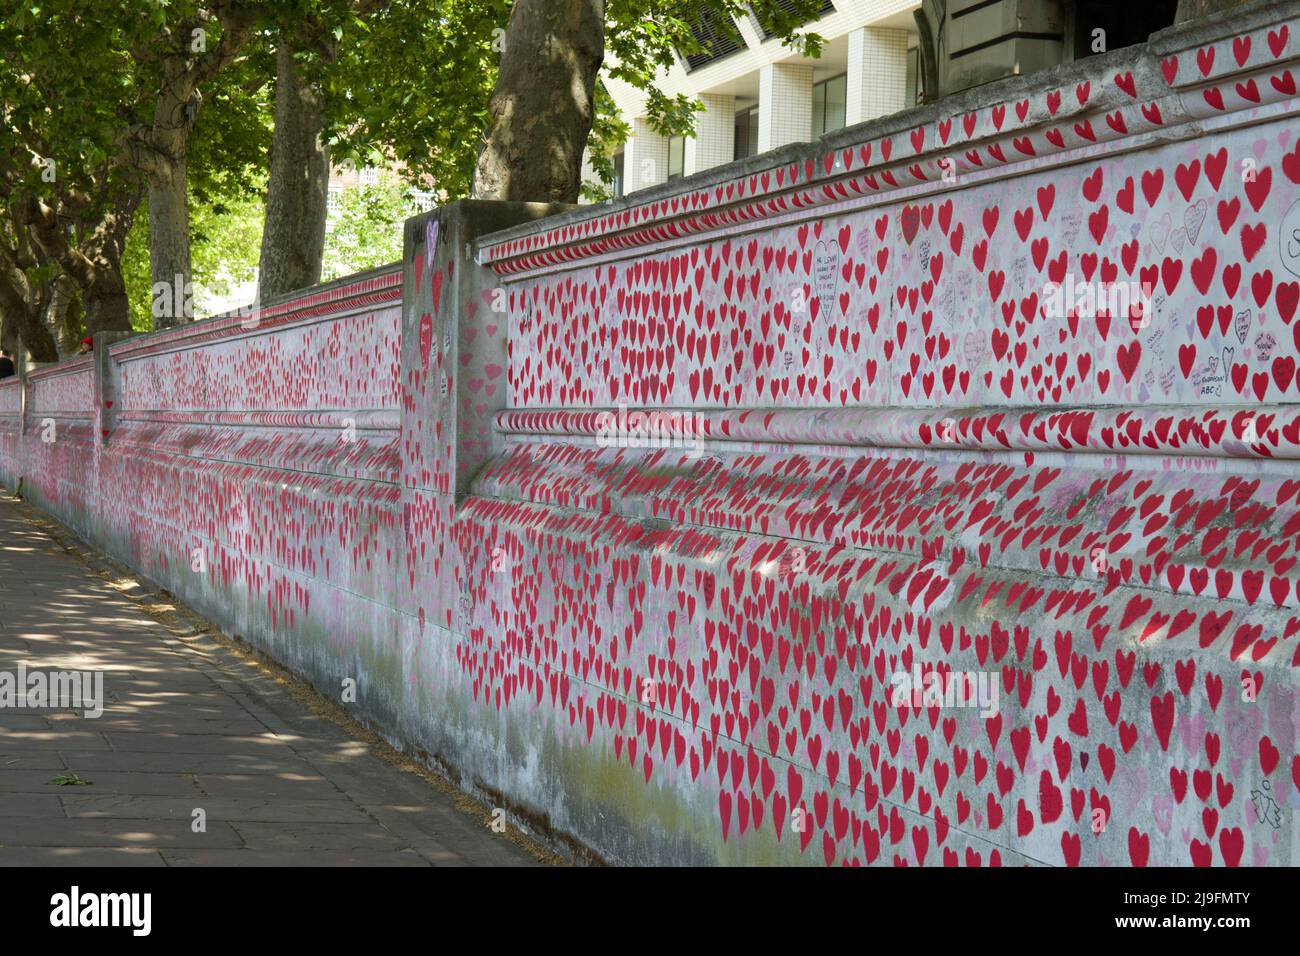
(189, 725)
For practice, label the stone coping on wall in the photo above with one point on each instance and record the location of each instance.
(352, 293)
(78, 363)
(1173, 86)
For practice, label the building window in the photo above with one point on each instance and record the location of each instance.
(829, 99)
(676, 157)
(746, 133)
(617, 185)
(332, 198)
(421, 199)
(369, 175)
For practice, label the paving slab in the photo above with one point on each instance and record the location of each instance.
(319, 836)
(247, 857)
(82, 740)
(30, 805)
(144, 834)
(80, 856)
(292, 786)
(169, 762)
(260, 745)
(37, 781)
(31, 760)
(228, 809)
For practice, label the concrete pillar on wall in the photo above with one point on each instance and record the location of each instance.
(877, 74)
(454, 358)
(714, 142)
(645, 158)
(106, 383)
(784, 105)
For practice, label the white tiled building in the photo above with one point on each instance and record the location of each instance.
(760, 95)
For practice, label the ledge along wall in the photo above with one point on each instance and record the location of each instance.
(903, 457)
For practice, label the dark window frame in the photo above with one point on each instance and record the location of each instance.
(618, 185)
(822, 86)
(751, 134)
(678, 142)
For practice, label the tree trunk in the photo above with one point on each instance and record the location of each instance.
(169, 244)
(36, 338)
(103, 290)
(95, 264)
(541, 110)
(21, 303)
(9, 339)
(107, 307)
(169, 208)
(22, 300)
(88, 251)
(159, 150)
(64, 316)
(297, 191)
